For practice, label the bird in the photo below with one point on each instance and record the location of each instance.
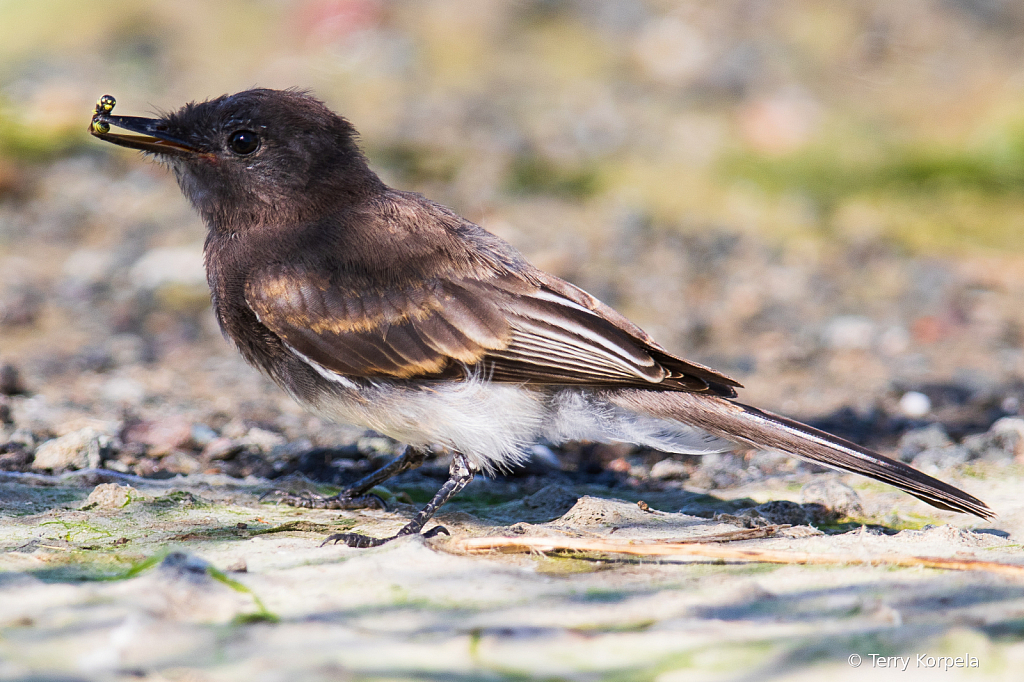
(378, 307)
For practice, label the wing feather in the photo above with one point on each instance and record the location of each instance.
(512, 328)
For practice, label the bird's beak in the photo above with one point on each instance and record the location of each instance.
(154, 137)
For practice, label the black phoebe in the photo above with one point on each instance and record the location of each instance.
(381, 308)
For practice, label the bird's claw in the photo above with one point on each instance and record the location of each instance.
(365, 541)
(435, 531)
(356, 540)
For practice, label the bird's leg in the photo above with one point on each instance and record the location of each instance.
(355, 497)
(411, 458)
(460, 473)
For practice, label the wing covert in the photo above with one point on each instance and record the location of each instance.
(508, 327)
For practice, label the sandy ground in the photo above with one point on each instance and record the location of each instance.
(194, 579)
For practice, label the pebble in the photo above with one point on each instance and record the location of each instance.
(837, 497)
(721, 470)
(221, 448)
(670, 469)
(554, 498)
(203, 435)
(22, 309)
(262, 439)
(850, 332)
(915, 404)
(1004, 441)
(777, 512)
(111, 496)
(172, 265)
(545, 456)
(81, 449)
(935, 460)
(161, 436)
(10, 381)
(916, 441)
(123, 390)
(178, 462)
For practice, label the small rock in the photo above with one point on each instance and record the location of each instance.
(182, 565)
(14, 457)
(838, 498)
(589, 512)
(289, 451)
(376, 446)
(123, 390)
(81, 449)
(162, 436)
(235, 429)
(10, 381)
(327, 464)
(770, 462)
(784, 512)
(1004, 441)
(937, 459)
(915, 405)
(87, 267)
(187, 589)
(24, 437)
(543, 459)
(202, 435)
(670, 469)
(778, 512)
(914, 442)
(93, 358)
(107, 428)
(118, 465)
(181, 265)
(128, 349)
(743, 518)
(850, 332)
(619, 466)
(553, 498)
(894, 341)
(221, 448)
(722, 470)
(262, 440)
(111, 496)
(178, 462)
(22, 308)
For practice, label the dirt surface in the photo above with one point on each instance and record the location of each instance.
(193, 578)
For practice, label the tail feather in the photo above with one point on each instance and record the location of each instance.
(742, 423)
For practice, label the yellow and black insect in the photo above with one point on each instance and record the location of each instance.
(103, 108)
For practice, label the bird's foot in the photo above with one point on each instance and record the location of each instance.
(342, 500)
(364, 541)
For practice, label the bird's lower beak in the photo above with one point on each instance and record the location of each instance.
(154, 137)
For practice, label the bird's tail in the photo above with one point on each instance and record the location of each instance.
(742, 423)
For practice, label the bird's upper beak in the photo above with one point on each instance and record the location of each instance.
(154, 137)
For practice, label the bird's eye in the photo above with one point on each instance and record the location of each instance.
(244, 142)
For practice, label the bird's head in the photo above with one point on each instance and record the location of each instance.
(256, 157)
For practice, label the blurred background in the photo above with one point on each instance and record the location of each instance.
(823, 199)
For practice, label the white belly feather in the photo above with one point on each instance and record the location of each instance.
(493, 424)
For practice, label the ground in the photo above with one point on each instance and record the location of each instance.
(194, 578)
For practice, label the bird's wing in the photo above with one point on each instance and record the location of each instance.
(509, 327)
